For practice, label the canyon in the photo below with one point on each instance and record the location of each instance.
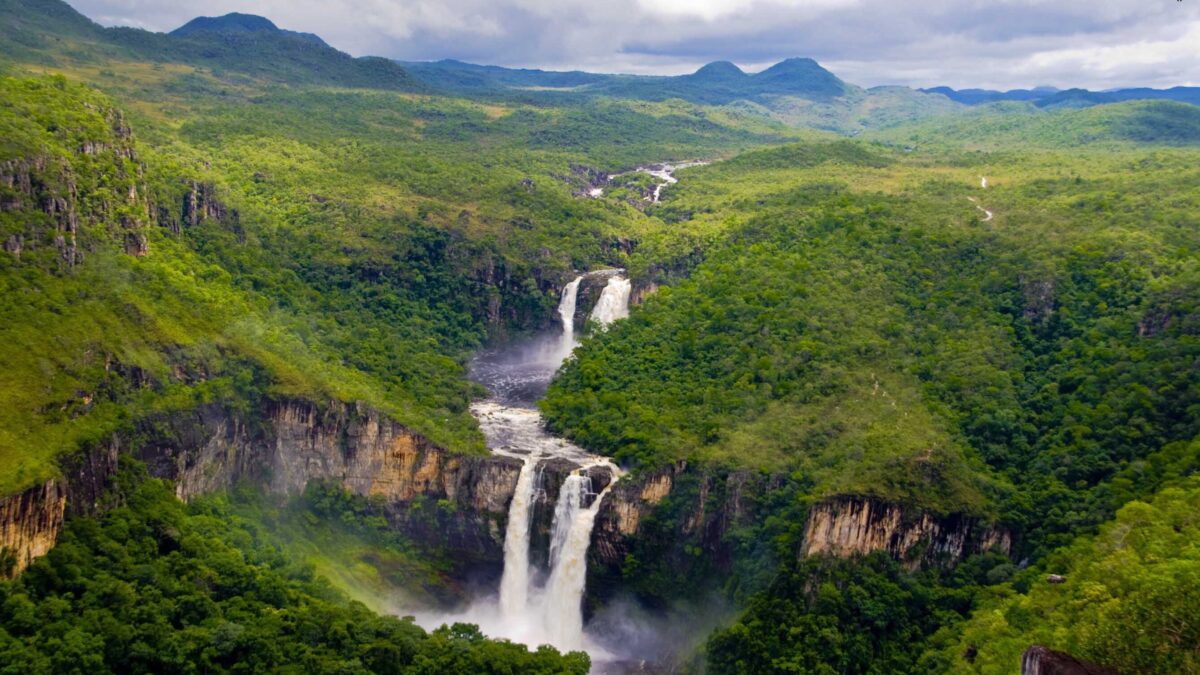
(284, 444)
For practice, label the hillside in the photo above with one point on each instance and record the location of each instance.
(837, 377)
(52, 34)
(1050, 97)
(797, 92)
(239, 23)
(1015, 125)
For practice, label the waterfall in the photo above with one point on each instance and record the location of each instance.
(614, 301)
(566, 312)
(528, 611)
(564, 592)
(514, 584)
(570, 499)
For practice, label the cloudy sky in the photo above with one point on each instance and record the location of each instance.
(985, 43)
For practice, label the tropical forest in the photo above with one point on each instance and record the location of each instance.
(328, 355)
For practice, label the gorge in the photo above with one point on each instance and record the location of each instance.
(540, 598)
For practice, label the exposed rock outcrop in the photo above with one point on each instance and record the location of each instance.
(29, 525)
(200, 203)
(1038, 660)
(61, 199)
(453, 502)
(848, 526)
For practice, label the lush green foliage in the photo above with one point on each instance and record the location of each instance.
(835, 616)
(348, 540)
(1006, 125)
(157, 587)
(850, 325)
(1129, 601)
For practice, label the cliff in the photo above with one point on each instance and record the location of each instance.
(29, 525)
(1041, 661)
(848, 526)
(682, 531)
(50, 185)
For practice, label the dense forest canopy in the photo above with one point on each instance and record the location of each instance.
(982, 316)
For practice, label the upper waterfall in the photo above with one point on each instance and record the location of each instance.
(614, 301)
(566, 314)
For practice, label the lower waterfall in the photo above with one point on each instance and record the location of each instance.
(514, 585)
(564, 592)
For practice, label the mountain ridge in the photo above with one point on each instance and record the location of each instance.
(236, 22)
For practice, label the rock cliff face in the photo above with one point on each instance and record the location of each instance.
(457, 503)
(453, 502)
(848, 526)
(29, 525)
(1041, 661)
(45, 190)
(686, 516)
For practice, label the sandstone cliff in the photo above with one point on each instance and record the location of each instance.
(847, 526)
(29, 525)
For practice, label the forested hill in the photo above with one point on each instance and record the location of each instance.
(716, 83)
(1050, 97)
(38, 30)
(239, 23)
(243, 277)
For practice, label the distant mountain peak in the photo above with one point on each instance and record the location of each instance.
(719, 70)
(238, 23)
(802, 75)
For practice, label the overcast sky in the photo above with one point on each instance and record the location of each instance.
(1097, 44)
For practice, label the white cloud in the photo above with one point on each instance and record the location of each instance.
(992, 43)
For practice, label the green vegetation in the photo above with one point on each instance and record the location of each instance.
(349, 540)
(1003, 126)
(857, 325)
(156, 586)
(1129, 600)
(861, 616)
(236, 217)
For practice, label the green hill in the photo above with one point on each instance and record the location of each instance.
(1017, 125)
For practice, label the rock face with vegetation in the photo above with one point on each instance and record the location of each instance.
(29, 525)
(846, 527)
(860, 426)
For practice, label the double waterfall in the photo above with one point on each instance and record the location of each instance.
(536, 608)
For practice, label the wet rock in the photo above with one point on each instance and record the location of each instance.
(1039, 660)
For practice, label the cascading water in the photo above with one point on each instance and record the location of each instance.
(570, 499)
(514, 584)
(513, 427)
(566, 313)
(564, 592)
(614, 301)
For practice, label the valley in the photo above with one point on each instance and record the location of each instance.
(321, 363)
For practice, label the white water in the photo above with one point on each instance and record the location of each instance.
(983, 182)
(665, 173)
(522, 611)
(570, 499)
(566, 313)
(565, 590)
(514, 584)
(614, 301)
